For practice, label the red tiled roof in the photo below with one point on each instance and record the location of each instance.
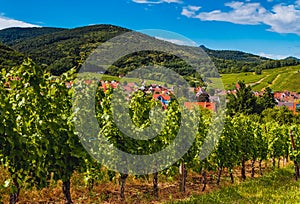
(277, 95)
(295, 108)
(131, 84)
(128, 88)
(206, 105)
(164, 96)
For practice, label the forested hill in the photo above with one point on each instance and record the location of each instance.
(229, 61)
(292, 58)
(9, 57)
(12, 36)
(234, 55)
(60, 49)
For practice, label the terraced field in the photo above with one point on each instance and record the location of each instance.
(286, 78)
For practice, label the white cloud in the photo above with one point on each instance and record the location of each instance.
(242, 13)
(196, 8)
(156, 2)
(284, 19)
(190, 11)
(8, 23)
(281, 19)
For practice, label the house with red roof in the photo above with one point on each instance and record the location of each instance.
(165, 99)
(296, 108)
(206, 105)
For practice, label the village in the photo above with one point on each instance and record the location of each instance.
(203, 99)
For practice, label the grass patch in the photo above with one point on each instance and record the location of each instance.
(288, 79)
(110, 78)
(276, 187)
(229, 80)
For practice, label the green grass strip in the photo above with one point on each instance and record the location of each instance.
(276, 187)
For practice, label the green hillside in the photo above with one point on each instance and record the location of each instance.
(279, 79)
(234, 55)
(229, 61)
(64, 49)
(11, 36)
(59, 49)
(9, 57)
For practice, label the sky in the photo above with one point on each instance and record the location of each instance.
(269, 28)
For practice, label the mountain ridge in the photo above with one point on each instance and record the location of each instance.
(61, 49)
(10, 36)
(233, 53)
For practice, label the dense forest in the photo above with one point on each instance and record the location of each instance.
(61, 49)
(229, 61)
(64, 49)
(12, 36)
(9, 57)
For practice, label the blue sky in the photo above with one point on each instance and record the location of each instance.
(269, 28)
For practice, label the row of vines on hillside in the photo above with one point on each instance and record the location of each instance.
(39, 141)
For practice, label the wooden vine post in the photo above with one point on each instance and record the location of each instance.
(295, 161)
(183, 175)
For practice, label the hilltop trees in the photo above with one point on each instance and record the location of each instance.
(244, 100)
(281, 115)
(265, 101)
(9, 57)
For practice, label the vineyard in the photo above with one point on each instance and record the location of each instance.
(40, 143)
(279, 79)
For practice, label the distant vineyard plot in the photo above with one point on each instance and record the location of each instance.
(279, 79)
